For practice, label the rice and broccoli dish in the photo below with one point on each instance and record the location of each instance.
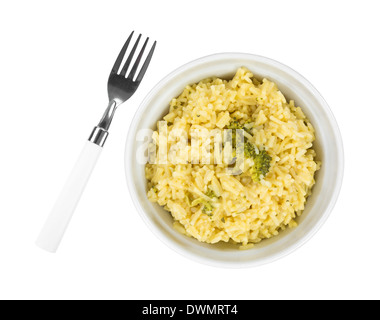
(233, 160)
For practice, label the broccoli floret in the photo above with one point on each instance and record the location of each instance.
(207, 206)
(261, 158)
(249, 150)
(235, 125)
(261, 166)
(210, 193)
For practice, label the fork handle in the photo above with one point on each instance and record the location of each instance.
(60, 216)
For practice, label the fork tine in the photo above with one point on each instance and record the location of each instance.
(136, 64)
(120, 57)
(128, 61)
(146, 63)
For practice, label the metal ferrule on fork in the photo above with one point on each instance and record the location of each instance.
(100, 133)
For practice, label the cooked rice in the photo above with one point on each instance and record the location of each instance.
(244, 211)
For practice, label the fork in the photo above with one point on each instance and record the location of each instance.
(120, 88)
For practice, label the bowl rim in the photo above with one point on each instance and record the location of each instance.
(128, 156)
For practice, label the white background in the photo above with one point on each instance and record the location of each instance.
(55, 60)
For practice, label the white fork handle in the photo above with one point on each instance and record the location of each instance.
(59, 218)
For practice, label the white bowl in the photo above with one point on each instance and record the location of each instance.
(328, 145)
